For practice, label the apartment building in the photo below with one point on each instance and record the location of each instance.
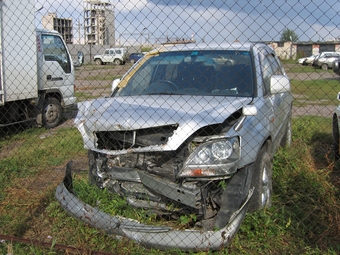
(62, 25)
(99, 22)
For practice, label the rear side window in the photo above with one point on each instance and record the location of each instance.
(270, 67)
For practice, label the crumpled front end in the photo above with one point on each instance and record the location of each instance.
(162, 237)
(169, 161)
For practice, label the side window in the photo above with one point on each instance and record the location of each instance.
(267, 73)
(106, 52)
(55, 50)
(270, 67)
(118, 51)
(112, 52)
(277, 70)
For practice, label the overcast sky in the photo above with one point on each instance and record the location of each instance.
(212, 21)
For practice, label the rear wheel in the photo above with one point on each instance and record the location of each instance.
(262, 181)
(52, 112)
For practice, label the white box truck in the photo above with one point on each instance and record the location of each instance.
(36, 72)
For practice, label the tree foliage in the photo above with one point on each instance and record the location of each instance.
(289, 35)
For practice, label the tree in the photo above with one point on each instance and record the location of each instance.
(289, 36)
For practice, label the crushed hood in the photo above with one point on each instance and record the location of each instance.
(190, 113)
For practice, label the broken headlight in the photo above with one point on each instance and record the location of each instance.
(213, 158)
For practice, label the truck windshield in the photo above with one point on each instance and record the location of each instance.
(55, 50)
(207, 72)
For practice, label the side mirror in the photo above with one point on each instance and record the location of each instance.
(338, 97)
(279, 84)
(80, 57)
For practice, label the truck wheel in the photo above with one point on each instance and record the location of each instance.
(324, 67)
(98, 62)
(262, 181)
(52, 112)
(336, 138)
(117, 61)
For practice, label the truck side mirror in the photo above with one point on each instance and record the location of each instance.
(80, 56)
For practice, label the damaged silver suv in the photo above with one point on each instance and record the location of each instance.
(189, 129)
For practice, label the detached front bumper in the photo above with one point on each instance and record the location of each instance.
(162, 237)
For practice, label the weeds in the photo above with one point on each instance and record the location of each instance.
(304, 217)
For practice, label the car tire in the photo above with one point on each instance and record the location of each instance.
(117, 62)
(262, 181)
(51, 113)
(98, 62)
(324, 67)
(336, 138)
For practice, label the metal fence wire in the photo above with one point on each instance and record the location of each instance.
(161, 126)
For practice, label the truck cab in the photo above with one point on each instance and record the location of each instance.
(56, 77)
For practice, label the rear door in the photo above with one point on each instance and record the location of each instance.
(280, 103)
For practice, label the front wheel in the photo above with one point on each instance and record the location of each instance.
(117, 61)
(262, 181)
(98, 62)
(324, 67)
(52, 113)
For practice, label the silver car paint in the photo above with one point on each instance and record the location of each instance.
(130, 113)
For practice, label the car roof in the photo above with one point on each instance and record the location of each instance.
(203, 46)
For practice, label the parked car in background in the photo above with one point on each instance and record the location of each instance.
(307, 60)
(116, 56)
(192, 130)
(326, 59)
(336, 130)
(134, 57)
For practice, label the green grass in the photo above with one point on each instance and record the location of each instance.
(31, 155)
(304, 217)
(315, 92)
(298, 68)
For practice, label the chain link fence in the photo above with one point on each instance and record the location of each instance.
(137, 127)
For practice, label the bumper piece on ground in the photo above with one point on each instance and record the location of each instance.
(162, 237)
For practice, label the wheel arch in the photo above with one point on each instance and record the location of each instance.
(54, 94)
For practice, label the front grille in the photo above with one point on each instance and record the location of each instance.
(120, 140)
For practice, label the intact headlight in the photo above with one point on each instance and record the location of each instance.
(212, 158)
